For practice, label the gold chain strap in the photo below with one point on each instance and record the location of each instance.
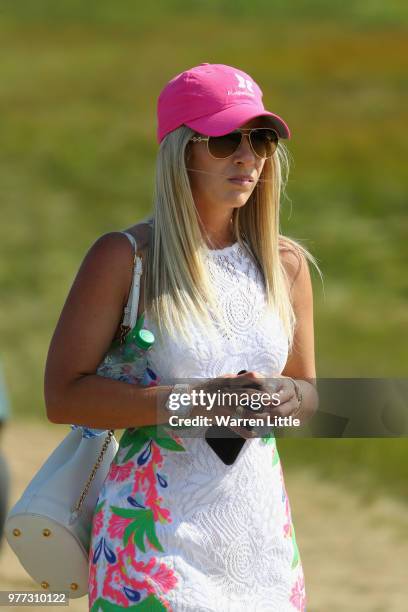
(77, 507)
(124, 330)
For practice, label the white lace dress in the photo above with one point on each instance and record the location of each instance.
(177, 529)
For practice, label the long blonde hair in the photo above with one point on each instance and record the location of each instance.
(176, 281)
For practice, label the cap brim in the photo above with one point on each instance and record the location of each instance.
(232, 118)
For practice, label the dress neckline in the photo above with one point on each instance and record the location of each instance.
(227, 249)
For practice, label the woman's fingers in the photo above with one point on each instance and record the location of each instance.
(244, 433)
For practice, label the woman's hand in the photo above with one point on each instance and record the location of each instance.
(283, 390)
(283, 400)
(228, 383)
(246, 385)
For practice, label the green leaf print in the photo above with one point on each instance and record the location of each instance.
(276, 457)
(131, 528)
(134, 449)
(269, 439)
(170, 444)
(125, 512)
(152, 537)
(127, 437)
(150, 604)
(160, 435)
(141, 526)
(136, 438)
(295, 559)
(99, 506)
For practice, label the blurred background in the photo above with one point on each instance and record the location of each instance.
(78, 92)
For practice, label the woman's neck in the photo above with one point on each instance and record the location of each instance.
(218, 236)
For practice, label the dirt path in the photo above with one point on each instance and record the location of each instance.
(355, 557)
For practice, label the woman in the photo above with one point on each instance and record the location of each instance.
(176, 527)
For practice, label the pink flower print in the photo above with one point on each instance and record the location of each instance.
(152, 575)
(298, 596)
(113, 585)
(145, 477)
(287, 530)
(146, 482)
(159, 514)
(135, 574)
(287, 510)
(92, 584)
(165, 603)
(120, 472)
(97, 523)
(117, 525)
(177, 438)
(164, 578)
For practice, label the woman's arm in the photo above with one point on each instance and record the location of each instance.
(301, 361)
(74, 393)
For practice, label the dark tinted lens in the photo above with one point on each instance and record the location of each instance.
(264, 141)
(224, 146)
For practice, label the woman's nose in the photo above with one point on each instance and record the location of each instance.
(244, 151)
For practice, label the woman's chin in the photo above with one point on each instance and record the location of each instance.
(241, 200)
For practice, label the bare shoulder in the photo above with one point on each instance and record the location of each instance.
(141, 232)
(297, 270)
(108, 265)
(292, 259)
(113, 253)
(111, 247)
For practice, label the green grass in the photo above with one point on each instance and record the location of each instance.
(369, 468)
(79, 88)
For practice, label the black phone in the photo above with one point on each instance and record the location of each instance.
(224, 442)
(227, 448)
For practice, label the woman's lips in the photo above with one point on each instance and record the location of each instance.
(241, 181)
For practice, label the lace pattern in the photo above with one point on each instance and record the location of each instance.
(251, 338)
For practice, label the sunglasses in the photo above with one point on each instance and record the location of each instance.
(263, 141)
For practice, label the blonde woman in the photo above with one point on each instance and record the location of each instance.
(178, 526)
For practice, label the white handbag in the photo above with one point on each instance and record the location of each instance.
(49, 528)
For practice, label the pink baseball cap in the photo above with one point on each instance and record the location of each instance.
(212, 99)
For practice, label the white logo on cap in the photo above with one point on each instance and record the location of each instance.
(243, 84)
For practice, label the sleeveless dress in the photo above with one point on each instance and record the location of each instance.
(174, 527)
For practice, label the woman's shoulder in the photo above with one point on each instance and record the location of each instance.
(112, 254)
(291, 257)
(116, 245)
(141, 232)
(294, 259)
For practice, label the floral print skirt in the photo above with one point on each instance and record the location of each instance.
(176, 529)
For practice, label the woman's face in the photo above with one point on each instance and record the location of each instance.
(211, 179)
